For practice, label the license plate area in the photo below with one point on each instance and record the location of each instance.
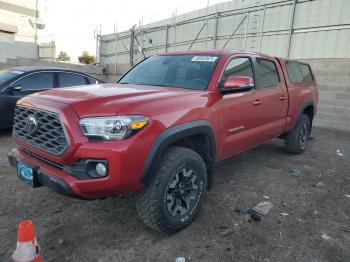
(27, 174)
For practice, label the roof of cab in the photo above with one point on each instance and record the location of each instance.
(40, 68)
(212, 52)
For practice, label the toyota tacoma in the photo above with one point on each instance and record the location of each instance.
(159, 131)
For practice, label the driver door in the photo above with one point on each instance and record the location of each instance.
(238, 112)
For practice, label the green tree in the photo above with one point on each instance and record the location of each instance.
(86, 58)
(63, 56)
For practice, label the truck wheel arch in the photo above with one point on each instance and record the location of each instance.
(309, 109)
(178, 133)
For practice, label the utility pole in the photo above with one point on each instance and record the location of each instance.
(36, 27)
(116, 49)
(97, 34)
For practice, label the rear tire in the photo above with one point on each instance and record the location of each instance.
(296, 141)
(171, 199)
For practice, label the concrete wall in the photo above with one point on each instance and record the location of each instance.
(94, 70)
(18, 49)
(333, 78)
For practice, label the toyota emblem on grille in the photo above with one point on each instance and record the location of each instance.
(31, 124)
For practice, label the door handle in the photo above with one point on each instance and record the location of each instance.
(257, 102)
(283, 97)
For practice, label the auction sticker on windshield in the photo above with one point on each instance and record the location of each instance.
(210, 59)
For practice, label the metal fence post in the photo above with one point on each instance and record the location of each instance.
(131, 50)
(215, 29)
(262, 28)
(174, 24)
(246, 32)
(291, 25)
(166, 38)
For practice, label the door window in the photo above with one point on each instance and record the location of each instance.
(36, 81)
(70, 79)
(238, 67)
(266, 74)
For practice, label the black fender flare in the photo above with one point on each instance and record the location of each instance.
(174, 134)
(303, 107)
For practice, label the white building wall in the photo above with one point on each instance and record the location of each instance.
(17, 19)
(20, 14)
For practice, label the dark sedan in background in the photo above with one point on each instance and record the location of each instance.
(18, 82)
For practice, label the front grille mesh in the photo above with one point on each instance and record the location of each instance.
(50, 135)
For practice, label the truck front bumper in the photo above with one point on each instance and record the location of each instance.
(44, 178)
(72, 180)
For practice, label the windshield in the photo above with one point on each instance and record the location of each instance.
(182, 71)
(6, 75)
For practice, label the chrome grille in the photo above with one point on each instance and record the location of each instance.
(49, 134)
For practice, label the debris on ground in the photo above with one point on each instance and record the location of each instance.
(281, 239)
(227, 231)
(284, 214)
(266, 197)
(344, 229)
(58, 210)
(60, 241)
(320, 184)
(180, 259)
(348, 196)
(242, 211)
(295, 172)
(325, 237)
(263, 208)
(255, 213)
(339, 153)
(255, 217)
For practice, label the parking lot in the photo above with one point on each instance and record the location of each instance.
(316, 202)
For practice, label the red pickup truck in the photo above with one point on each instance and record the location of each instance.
(161, 128)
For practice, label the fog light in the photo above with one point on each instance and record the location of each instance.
(101, 169)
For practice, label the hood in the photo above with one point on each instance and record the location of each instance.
(109, 99)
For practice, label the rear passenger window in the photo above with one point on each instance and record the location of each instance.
(294, 73)
(69, 79)
(266, 74)
(298, 73)
(238, 67)
(306, 72)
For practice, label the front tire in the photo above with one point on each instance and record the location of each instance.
(297, 140)
(171, 199)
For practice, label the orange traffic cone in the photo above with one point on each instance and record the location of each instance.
(27, 247)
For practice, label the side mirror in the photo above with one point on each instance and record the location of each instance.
(237, 84)
(15, 88)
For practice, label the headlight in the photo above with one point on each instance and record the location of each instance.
(112, 128)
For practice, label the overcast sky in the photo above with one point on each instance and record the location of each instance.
(71, 23)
